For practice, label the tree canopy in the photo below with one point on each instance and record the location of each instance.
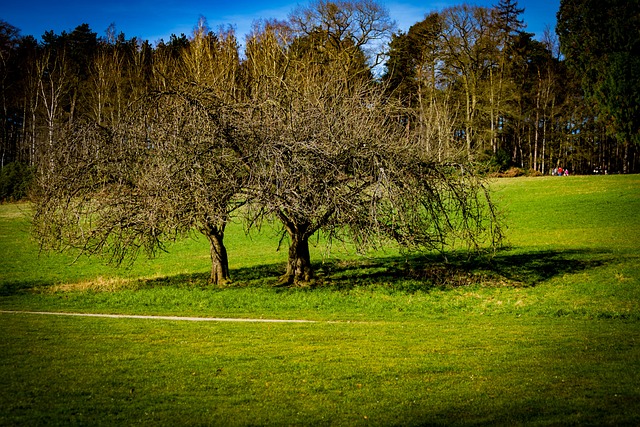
(601, 43)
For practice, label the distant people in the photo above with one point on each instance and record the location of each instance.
(560, 171)
(566, 172)
(555, 172)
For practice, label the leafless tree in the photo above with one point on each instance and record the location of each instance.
(330, 157)
(168, 169)
(345, 28)
(170, 166)
(469, 54)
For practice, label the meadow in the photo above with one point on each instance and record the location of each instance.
(546, 332)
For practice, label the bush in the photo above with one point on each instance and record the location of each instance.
(511, 173)
(15, 180)
(514, 172)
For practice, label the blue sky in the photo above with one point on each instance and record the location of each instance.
(158, 19)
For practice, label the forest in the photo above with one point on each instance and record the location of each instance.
(470, 79)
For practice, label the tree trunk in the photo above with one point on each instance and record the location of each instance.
(625, 160)
(468, 124)
(536, 135)
(219, 259)
(299, 263)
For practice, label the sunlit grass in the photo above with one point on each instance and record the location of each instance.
(547, 332)
(463, 370)
(570, 212)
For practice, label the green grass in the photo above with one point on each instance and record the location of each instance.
(471, 370)
(545, 333)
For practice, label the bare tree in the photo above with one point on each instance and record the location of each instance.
(53, 85)
(331, 157)
(171, 165)
(315, 159)
(168, 169)
(104, 83)
(468, 54)
(344, 27)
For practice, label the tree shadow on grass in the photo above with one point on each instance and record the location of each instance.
(533, 268)
(409, 273)
(257, 276)
(432, 271)
(419, 272)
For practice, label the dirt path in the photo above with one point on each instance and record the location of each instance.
(136, 316)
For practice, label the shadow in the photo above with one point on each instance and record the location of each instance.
(533, 268)
(8, 289)
(424, 272)
(258, 276)
(408, 273)
(266, 274)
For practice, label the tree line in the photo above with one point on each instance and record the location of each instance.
(515, 100)
(471, 79)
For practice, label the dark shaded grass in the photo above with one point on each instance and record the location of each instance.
(409, 273)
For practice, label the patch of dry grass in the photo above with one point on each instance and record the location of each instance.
(98, 284)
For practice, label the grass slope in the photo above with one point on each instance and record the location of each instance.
(545, 333)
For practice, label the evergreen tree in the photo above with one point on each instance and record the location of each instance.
(601, 43)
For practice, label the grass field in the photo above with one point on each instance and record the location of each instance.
(545, 333)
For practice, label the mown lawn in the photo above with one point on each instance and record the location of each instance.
(544, 333)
